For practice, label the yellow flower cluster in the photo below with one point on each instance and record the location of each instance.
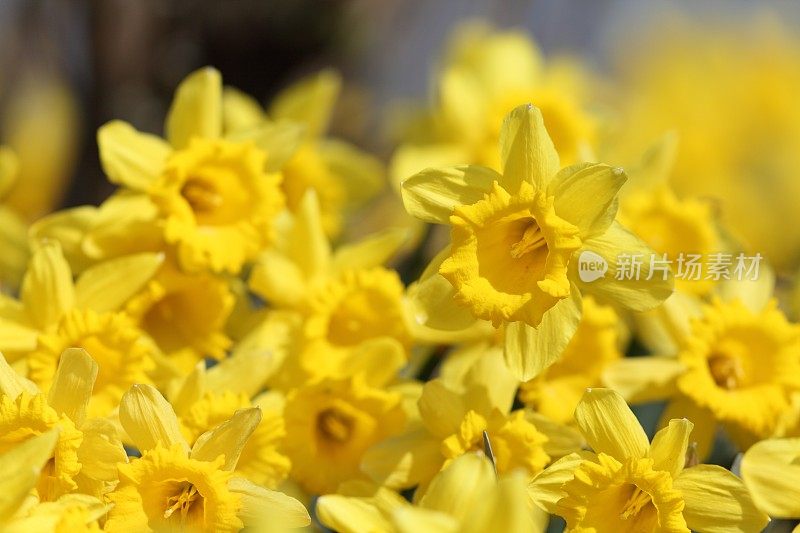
(209, 349)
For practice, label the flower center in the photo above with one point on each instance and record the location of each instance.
(183, 502)
(532, 239)
(638, 501)
(727, 371)
(201, 195)
(334, 425)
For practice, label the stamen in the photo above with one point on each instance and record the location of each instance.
(334, 426)
(531, 240)
(182, 502)
(201, 196)
(638, 500)
(726, 371)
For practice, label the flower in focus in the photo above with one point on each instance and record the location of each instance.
(631, 485)
(86, 451)
(330, 424)
(174, 487)
(54, 313)
(342, 176)
(515, 240)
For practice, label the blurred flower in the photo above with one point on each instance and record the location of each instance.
(770, 470)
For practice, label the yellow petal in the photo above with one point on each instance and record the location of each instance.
(755, 294)
(705, 425)
(72, 384)
(415, 520)
(461, 486)
(614, 246)
(68, 227)
(101, 450)
(309, 101)
(280, 140)
(490, 374)
(668, 449)
(432, 194)
(663, 329)
(361, 174)
(308, 246)
(561, 440)
(409, 159)
(770, 470)
(507, 509)
(432, 306)
(643, 379)
(586, 196)
(47, 289)
(15, 337)
(262, 508)
(228, 438)
(610, 426)
(130, 158)
(107, 286)
(278, 280)
(11, 383)
(528, 350)
(350, 515)
(189, 390)
(240, 111)
(545, 489)
(403, 461)
(125, 223)
(441, 409)
(14, 249)
(371, 251)
(526, 150)
(148, 419)
(21, 467)
(463, 104)
(196, 110)
(717, 501)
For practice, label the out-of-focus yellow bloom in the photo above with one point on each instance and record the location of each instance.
(22, 510)
(14, 251)
(330, 424)
(485, 75)
(173, 486)
(342, 175)
(464, 497)
(730, 95)
(54, 313)
(515, 242)
(211, 198)
(631, 485)
(770, 470)
(86, 451)
(452, 423)
(351, 307)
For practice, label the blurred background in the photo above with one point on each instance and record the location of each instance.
(725, 75)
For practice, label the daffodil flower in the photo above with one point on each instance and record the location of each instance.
(465, 496)
(516, 237)
(342, 175)
(210, 198)
(173, 486)
(86, 451)
(452, 422)
(55, 313)
(331, 423)
(21, 510)
(352, 308)
(631, 485)
(771, 470)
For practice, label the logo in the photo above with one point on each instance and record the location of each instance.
(591, 266)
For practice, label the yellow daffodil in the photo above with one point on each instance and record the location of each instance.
(487, 73)
(173, 486)
(330, 424)
(516, 239)
(207, 398)
(342, 175)
(86, 451)
(185, 315)
(631, 485)
(737, 367)
(770, 470)
(22, 510)
(452, 423)
(210, 198)
(466, 497)
(54, 313)
(351, 306)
